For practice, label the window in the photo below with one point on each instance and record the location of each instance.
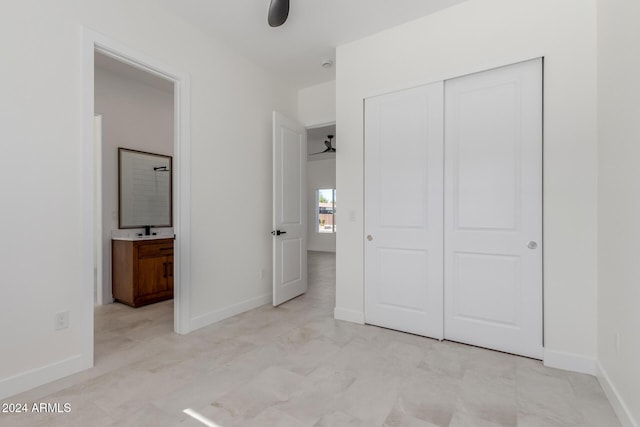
(326, 210)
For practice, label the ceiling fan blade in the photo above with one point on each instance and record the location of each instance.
(278, 12)
(328, 150)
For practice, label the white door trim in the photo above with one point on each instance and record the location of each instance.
(93, 41)
(101, 298)
(319, 125)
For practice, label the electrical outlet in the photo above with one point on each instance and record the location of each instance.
(61, 320)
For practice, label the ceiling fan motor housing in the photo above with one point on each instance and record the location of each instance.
(278, 12)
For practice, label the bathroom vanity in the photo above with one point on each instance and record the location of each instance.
(141, 261)
(142, 269)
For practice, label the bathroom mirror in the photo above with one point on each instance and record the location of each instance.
(144, 189)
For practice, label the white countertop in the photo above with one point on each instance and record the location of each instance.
(136, 238)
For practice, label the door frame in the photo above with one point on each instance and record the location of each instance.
(92, 42)
(319, 125)
(97, 188)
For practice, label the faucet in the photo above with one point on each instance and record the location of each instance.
(147, 230)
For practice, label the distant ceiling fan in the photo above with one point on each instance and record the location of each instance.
(278, 12)
(329, 148)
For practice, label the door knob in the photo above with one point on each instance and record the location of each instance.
(278, 232)
(369, 237)
(532, 245)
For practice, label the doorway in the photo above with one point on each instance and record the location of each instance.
(304, 202)
(321, 188)
(136, 112)
(133, 169)
(95, 42)
(322, 213)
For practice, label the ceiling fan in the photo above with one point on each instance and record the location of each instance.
(329, 148)
(278, 12)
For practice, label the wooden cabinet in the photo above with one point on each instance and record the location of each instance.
(142, 271)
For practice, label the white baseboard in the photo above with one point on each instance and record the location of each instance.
(226, 312)
(36, 377)
(569, 362)
(618, 404)
(352, 316)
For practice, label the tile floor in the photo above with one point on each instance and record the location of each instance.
(295, 366)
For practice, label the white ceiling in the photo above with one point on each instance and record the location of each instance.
(314, 28)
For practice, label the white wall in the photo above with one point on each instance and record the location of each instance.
(41, 169)
(320, 174)
(470, 37)
(317, 104)
(619, 203)
(136, 116)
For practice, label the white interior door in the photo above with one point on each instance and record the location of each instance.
(493, 209)
(403, 210)
(289, 209)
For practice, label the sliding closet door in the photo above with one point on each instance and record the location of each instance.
(403, 210)
(493, 209)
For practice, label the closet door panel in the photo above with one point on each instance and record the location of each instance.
(403, 210)
(486, 160)
(493, 209)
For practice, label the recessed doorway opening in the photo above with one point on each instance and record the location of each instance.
(134, 214)
(323, 214)
(103, 55)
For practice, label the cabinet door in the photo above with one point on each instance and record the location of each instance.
(152, 276)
